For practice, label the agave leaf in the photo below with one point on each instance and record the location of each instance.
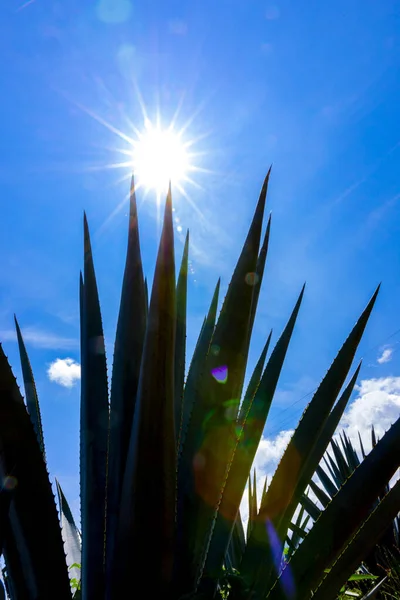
(149, 486)
(326, 481)
(237, 544)
(32, 503)
(344, 515)
(320, 494)
(260, 267)
(210, 437)
(32, 401)
(249, 437)
(128, 350)
(180, 336)
(372, 594)
(362, 543)
(70, 534)
(361, 446)
(254, 382)
(321, 443)
(342, 465)
(310, 507)
(146, 292)
(94, 431)
(196, 369)
(298, 463)
(250, 503)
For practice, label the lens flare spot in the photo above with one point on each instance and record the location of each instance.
(252, 279)
(220, 374)
(10, 482)
(215, 349)
(286, 577)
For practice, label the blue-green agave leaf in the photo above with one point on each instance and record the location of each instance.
(94, 431)
(145, 546)
(32, 400)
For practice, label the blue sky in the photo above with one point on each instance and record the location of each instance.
(313, 88)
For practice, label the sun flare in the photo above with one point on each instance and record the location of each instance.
(158, 157)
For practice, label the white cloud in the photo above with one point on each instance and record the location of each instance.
(40, 339)
(64, 371)
(386, 356)
(378, 404)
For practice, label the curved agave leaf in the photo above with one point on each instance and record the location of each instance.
(210, 435)
(180, 336)
(248, 441)
(362, 543)
(94, 431)
(149, 486)
(32, 401)
(344, 515)
(32, 503)
(128, 350)
(70, 534)
(288, 484)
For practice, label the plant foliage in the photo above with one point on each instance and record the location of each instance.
(165, 458)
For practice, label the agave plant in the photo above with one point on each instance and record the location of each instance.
(166, 454)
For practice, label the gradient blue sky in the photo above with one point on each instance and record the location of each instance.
(312, 87)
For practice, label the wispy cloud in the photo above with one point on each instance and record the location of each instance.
(64, 371)
(40, 339)
(385, 356)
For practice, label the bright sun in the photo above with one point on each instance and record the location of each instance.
(158, 157)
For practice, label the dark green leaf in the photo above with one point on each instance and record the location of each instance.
(32, 507)
(149, 486)
(128, 350)
(32, 401)
(180, 336)
(94, 431)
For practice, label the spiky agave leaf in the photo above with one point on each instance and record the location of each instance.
(70, 534)
(196, 371)
(254, 382)
(128, 350)
(94, 431)
(362, 543)
(180, 336)
(344, 515)
(145, 539)
(32, 507)
(210, 437)
(32, 401)
(279, 506)
(248, 440)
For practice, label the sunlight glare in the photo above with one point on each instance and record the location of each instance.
(158, 157)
